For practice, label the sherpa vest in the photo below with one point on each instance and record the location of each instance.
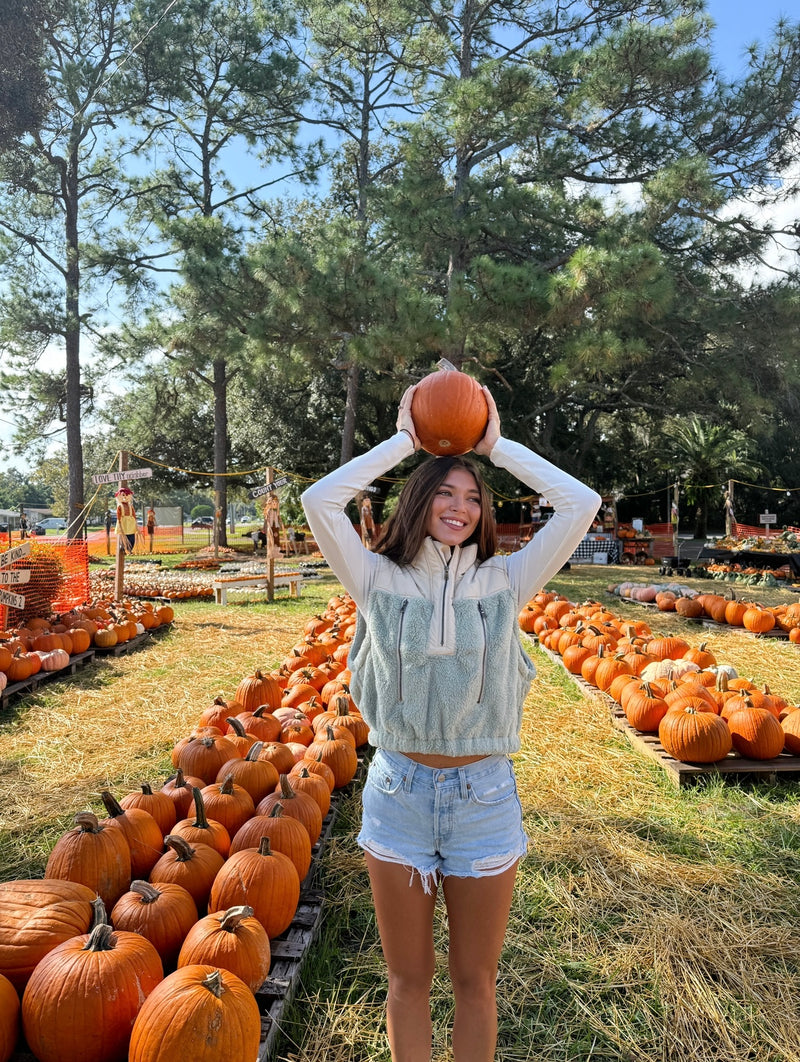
(457, 704)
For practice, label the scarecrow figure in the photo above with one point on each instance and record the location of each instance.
(367, 522)
(273, 525)
(126, 520)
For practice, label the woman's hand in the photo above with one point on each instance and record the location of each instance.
(405, 421)
(492, 433)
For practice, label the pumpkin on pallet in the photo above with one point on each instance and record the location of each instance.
(82, 999)
(201, 1013)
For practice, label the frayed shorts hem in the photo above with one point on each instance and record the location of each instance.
(433, 877)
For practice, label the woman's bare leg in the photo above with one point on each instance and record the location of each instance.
(405, 922)
(477, 914)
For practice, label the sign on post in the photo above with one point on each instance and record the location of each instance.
(15, 553)
(116, 477)
(767, 519)
(11, 599)
(16, 577)
(268, 488)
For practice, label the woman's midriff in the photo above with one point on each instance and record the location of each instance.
(431, 759)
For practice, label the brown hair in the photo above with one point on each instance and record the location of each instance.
(407, 527)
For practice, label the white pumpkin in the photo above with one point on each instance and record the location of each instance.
(667, 669)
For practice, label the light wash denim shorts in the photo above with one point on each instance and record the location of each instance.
(459, 821)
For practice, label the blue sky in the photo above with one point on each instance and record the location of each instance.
(739, 23)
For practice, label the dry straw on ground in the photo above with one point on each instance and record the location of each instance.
(648, 924)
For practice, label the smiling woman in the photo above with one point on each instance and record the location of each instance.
(439, 674)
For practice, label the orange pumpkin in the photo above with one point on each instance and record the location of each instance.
(449, 411)
(199, 1012)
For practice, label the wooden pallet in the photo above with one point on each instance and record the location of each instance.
(139, 641)
(30, 685)
(733, 768)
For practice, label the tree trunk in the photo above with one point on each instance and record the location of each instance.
(221, 449)
(72, 338)
(350, 409)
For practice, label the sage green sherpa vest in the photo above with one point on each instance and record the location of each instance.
(456, 704)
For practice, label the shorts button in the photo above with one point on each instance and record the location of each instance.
(441, 777)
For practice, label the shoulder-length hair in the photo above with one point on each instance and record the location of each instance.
(407, 527)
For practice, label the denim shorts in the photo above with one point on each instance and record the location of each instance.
(464, 822)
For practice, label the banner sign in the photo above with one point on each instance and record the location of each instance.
(15, 578)
(268, 488)
(15, 553)
(768, 518)
(12, 600)
(116, 477)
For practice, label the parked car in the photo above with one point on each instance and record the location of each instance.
(52, 523)
(203, 521)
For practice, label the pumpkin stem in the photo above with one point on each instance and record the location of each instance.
(263, 846)
(227, 785)
(200, 820)
(88, 822)
(101, 938)
(113, 806)
(180, 846)
(100, 916)
(233, 916)
(236, 726)
(276, 811)
(147, 789)
(213, 982)
(287, 793)
(149, 893)
(254, 751)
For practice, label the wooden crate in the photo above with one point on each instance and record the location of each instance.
(30, 685)
(734, 768)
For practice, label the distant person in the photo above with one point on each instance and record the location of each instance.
(23, 525)
(151, 526)
(109, 522)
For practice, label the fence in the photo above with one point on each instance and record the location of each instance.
(59, 580)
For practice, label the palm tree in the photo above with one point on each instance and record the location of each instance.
(705, 456)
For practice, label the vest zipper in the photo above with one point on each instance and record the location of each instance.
(444, 593)
(485, 648)
(403, 608)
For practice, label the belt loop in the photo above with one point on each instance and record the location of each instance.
(462, 781)
(411, 766)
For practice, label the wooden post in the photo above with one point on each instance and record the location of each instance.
(217, 517)
(729, 510)
(675, 497)
(119, 568)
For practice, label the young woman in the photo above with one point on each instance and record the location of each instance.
(440, 675)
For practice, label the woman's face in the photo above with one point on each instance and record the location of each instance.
(455, 509)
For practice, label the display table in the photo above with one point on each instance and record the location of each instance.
(753, 558)
(596, 543)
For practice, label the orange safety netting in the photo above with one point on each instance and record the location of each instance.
(59, 580)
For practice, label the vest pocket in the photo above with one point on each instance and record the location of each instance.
(400, 624)
(485, 633)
